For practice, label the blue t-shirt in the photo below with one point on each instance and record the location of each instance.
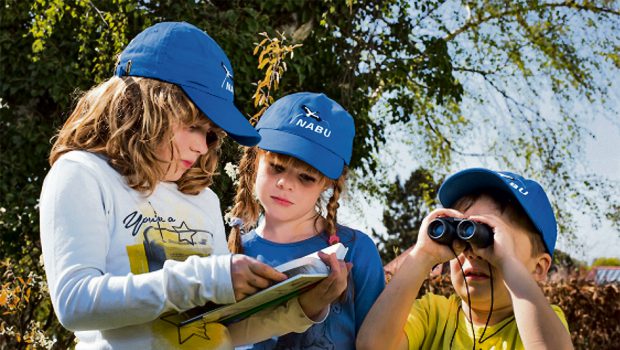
(340, 328)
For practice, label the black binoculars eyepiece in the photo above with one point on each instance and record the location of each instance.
(446, 230)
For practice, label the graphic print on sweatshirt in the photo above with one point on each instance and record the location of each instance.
(163, 236)
(198, 335)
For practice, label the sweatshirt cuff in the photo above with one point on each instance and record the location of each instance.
(223, 291)
(196, 281)
(294, 304)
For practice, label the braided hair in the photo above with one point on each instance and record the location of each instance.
(246, 207)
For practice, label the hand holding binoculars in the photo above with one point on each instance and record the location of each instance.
(446, 230)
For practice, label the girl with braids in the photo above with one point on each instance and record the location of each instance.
(130, 231)
(300, 162)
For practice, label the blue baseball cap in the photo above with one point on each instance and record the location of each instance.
(310, 127)
(528, 193)
(184, 55)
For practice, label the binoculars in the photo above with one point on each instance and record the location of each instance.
(446, 230)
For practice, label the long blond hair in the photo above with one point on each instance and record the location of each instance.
(127, 119)
(247, 208)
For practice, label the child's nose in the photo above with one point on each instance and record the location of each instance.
(469, 253)
(284, 182)
(199, 144)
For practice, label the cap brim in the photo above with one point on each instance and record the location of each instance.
(470, 181)
(225, 115)
(322, 159)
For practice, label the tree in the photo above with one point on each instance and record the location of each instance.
(564, 260)
(606, 262)
(497, 81)
(408, 204)
(434, 66)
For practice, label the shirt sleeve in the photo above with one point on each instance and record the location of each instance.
(420, 321)
(271, 322)
(561, 316)
(75, 237)
(368, 276)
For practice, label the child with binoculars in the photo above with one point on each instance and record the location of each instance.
(498, 230)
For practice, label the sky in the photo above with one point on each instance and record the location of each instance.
(604, 157)
(602, 154)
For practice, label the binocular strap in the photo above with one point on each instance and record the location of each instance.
(473, 332)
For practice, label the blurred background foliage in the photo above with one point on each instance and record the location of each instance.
(501, 81)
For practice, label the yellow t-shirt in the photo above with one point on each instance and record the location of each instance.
(432, 320)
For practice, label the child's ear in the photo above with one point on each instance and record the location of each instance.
(543, 263)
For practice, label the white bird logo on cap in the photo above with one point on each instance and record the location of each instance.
(228, 76)
(310, 113)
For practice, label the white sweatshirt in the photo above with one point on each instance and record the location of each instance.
(116, 260)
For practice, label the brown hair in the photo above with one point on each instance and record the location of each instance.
(247, 207)
(127, 119)
(513, 210)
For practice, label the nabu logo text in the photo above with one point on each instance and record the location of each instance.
(314, 127)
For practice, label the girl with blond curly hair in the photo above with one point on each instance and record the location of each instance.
(131, 232)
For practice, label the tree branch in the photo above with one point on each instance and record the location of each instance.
(99, 13)
(514, 12)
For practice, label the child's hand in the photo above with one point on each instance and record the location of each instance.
(434, 252)
(315, 301)
(250, 275)
(503, 246)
